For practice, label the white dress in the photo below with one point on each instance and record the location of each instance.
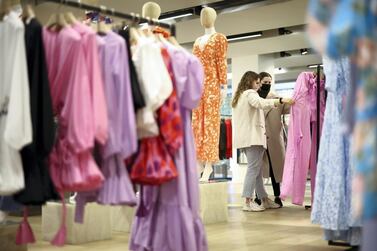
(15, 119)
(155, 84)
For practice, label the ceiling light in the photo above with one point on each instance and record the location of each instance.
(314, 66)
(304, 51)
(176, 16)
(243, 36)
(280, 70)
(285, 54)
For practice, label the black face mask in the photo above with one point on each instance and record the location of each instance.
(264, 90)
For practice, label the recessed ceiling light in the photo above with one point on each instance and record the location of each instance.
(176, 16)
(244, 37)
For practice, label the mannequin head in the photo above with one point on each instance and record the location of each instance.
(208, 17)
(265, 80)
(250, 80)
(151, 10)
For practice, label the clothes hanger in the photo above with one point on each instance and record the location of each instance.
(6, 6)
(57, 19)
(134, 34)
(28, 13)
(102, 27)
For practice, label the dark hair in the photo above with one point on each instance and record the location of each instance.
(264, 74)
(245, 84)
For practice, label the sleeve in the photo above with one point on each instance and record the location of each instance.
(195, 83)
(78, 110)
(98, 95)
(258, 102)
(43, 102)
(221, 54)
(155, 76)
(18, 127)
(125, 111)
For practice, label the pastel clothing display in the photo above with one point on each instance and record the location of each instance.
(149, 62)
(350, 27)
(206, 117)
(72, 165)
(171, 210)
(302, 138)
(15, 119)
(122, 139)
(333, 210)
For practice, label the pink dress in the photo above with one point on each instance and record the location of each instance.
(72, 166)
(301, 154)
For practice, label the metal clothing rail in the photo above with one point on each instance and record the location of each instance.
(113, 12)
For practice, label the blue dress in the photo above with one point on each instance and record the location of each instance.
(352, 31)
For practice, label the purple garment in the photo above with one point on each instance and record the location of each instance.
(301, 154)
(122, 141)
(172, 220)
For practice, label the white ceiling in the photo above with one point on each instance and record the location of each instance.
(268, 15)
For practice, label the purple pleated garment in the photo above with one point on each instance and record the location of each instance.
(171, 221)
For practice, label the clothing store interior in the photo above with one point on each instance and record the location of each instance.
(235, 125)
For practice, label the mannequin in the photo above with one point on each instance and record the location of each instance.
(151, 10)
(210, 47)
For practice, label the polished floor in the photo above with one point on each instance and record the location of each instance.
(284, 229)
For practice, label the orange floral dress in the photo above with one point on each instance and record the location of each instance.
(206, 117)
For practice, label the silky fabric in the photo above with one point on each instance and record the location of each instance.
(122, 141)
(206, 117)
(229, 139)
(350, 30)
(38, 184)
(15, 118)
(333, 210)
(172, 220)
(302, 138)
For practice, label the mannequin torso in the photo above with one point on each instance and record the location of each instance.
(208, 32)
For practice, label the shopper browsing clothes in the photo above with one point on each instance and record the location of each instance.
(275, 154)
(250, 135)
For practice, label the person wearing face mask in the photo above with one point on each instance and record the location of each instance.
(249, 121)
(275, 154)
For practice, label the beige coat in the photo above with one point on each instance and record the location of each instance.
(249, 121)
(275, 140)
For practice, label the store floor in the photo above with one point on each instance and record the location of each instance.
(283, 229)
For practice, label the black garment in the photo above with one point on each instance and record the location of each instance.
(138, 98)
(275, 185)
(38, 184)
(222, 142)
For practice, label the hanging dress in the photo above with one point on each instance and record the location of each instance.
(38, 185)
(172, 221)
(15, 117)
(206, 117)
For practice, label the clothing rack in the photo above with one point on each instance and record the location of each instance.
(112, 12)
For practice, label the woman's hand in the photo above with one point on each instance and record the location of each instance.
(288, 101)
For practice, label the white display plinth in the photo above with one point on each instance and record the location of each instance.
(122, 217)
(96, 226)
(214, 202)
(8, 234)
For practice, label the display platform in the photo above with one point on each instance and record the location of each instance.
(96, 226)
(214, 202)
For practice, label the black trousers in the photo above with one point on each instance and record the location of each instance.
(275, 185)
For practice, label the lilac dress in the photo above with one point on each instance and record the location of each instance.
(172, 221)
(122, 140)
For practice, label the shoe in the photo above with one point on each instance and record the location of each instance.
(253, 207)
(278, 201)
(269, 204)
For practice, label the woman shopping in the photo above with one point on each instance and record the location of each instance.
(250, 135)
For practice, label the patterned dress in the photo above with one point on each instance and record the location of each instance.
(351, 30)
(206, 117)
